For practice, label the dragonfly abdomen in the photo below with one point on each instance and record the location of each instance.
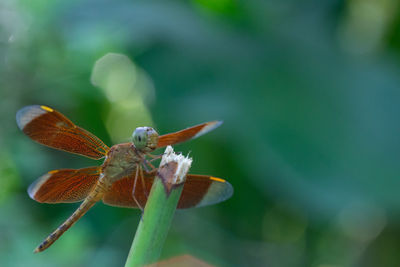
(89, 202)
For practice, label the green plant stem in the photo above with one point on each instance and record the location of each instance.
(158, 213)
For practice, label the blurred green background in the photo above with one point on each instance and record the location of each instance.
(309, 93)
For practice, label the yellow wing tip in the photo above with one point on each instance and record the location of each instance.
(218, 179)
(47, 108)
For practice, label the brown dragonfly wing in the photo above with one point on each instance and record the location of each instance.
(204, 190)
(49, 127)
(120, 193)
(64, 186)
(187, 134)
(198, 191)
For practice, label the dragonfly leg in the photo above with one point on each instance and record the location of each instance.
(154, 157)
(144, 166)
(148, 163)
(134, 188)
(151, 165)
(143, 184)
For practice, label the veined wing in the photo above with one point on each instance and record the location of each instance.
(49, 127)
(64, 186)
(198, 191)
(187, 134)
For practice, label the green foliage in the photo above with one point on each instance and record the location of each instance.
(309, 97)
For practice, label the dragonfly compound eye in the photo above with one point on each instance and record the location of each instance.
(145, 138)
(139, 137)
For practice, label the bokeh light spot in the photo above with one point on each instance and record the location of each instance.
(116, 75)
(366, 24)
(362, 221)
(128, 89)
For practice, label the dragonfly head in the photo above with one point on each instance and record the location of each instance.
(145, 139)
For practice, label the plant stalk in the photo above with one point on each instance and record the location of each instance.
(160, 207)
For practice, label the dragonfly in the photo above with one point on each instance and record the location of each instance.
(116, 181)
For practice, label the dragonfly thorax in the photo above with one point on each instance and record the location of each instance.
(121, 160)
(145, 139)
